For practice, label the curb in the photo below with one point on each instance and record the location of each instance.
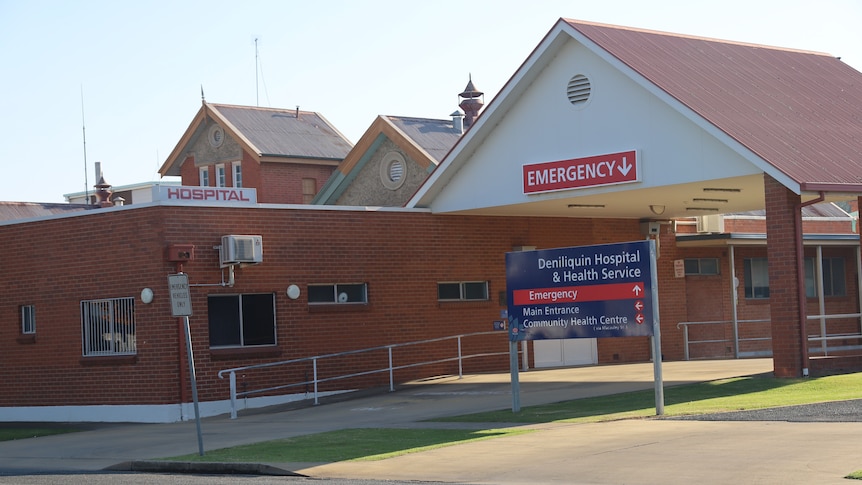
(208, 468)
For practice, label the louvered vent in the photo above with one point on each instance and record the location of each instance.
(396, 171)
(578, 90)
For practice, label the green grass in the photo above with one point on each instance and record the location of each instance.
(348, 444)
(737, 394)
(19, 433)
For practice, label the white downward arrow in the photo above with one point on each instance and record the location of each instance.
(625, 167)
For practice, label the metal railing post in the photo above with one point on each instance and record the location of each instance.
(460, 367)
(391, 373)
(685, 339)
(314, 365)
(233, 395)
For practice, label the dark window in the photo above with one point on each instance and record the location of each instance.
(701, 266)
(833, 278)
(462, 291)
(28, 319)
(241, 320)
(337, 294)
(756, 278)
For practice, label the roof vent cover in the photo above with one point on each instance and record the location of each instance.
(578, 90)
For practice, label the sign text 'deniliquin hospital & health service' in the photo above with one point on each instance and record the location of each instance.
(581, 292)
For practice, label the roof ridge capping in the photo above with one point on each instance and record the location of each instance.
(574, 23)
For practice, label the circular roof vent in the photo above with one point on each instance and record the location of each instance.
(578, 90)
(393, 170)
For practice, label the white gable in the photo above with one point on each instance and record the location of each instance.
(532, 121)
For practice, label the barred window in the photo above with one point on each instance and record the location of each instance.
(108, 326)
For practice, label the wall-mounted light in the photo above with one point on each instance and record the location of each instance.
(656, 209)
(147, 295)
(293, 292)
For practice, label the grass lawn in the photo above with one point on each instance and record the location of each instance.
(373, 444)
(19, 433)
(348, 444)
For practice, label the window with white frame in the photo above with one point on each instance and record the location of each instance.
(342, 293)
(108, 326)
(236, 167)
(756, 278)
(701, 266)
(204, 176)
(833, 277)
(244, 320)
(28, 319)
(462, 291)
(221, 177)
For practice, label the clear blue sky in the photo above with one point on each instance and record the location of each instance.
(140, 65)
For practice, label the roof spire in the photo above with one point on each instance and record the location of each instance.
(203, 99)
(472, 102)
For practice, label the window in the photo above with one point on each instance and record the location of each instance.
(237, 174)
(462, 291)
(108, 326)
(241, 320)
(833, 277)
(338, 294)
(28, 319)
(204, 176)
(701, 266)
(756, 278)
(221, 181)
(309, 190)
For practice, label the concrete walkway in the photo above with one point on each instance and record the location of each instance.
(629, 451)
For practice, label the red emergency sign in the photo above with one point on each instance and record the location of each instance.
(578, 173)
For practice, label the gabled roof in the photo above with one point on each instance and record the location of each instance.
(799, 111)
(28, 210)
(425, 141)
(268, 134)
(794, 115)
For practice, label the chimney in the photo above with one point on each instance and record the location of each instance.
(472, 102)
(458, 122)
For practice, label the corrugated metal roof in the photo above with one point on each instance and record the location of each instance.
(799, 111)
(27, 210)
(279, 132)
(436, 137)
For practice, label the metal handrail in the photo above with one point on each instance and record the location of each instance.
(686, 340)
(390, 368)
(821, 338)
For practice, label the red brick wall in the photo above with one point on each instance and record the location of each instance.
(276, 183)
(118, 252)
(281, 183)
(782, 208)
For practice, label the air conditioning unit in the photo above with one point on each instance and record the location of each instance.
(710, 223)
(240, 250)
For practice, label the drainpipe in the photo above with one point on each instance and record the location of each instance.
(800, 280)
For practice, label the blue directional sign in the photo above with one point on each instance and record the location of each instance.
(581, 292)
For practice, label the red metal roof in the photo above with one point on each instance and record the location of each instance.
(799, 111)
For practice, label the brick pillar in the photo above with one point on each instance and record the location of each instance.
(785, 306)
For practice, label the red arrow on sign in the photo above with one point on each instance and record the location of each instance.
(639, 318)
(639, 305)
(637, 289)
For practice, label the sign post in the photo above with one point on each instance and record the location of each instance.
(599, 291)
(181, 306)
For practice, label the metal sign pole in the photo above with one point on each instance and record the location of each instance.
(181, 306)
(656, 335)
(191, 359)
(513, 370)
